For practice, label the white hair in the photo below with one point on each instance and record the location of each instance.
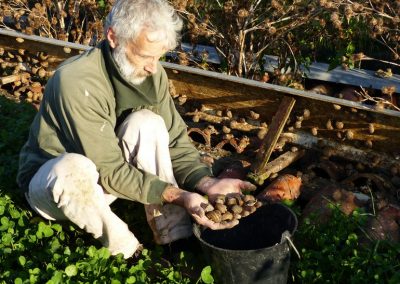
(129, 17)
(128, 71)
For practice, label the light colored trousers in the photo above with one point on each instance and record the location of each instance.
(65, 188)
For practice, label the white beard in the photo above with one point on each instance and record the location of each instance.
(125, 67)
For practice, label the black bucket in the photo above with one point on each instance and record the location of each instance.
(255, 251)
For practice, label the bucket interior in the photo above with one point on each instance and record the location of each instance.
(262, 229)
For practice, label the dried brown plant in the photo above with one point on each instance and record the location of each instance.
(78, 21)
(244, 31)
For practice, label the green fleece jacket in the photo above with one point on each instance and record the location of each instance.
(83, 103)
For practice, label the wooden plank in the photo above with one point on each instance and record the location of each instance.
(268, 144)
(61, 49)
(219, 92)
(278, 164)
(374, 159)
(199, 83)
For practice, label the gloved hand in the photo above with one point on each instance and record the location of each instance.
(213, 187)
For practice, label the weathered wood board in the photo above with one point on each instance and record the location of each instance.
(226, 92)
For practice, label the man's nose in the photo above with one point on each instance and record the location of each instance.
(151, 67)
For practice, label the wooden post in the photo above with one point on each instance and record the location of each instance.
(269, 141)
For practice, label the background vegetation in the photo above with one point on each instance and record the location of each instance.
(341, 32)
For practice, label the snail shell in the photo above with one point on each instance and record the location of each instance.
(236, 209)
(258, 204)
(227, 216)
(371, 128)
(207, 207)
(220, 199)
(329, 125)
(248, 197)
(250, 209)
(239, 201)
(214, 216)
(250, 203)
(221, 207)
(230, 201)
(239, 198)
(237, 216)
(306, 113)
(314, 131)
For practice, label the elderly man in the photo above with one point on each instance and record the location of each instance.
(107, 128)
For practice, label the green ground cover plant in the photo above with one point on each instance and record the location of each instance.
(339, 251)
(33, 250)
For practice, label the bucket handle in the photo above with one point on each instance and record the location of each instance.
(286, 236)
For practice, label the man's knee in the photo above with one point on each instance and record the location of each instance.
(145, 118)
(75, 164)
(60, 177)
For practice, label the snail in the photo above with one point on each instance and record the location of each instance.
(231, 207)
(214, 215)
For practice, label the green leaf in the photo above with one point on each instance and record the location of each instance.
(6, 239)
(22, 260)
(288, 202)
(91, 251)
(101, 4)
(44, 230)
(130, 280)
(57, 227)
(4, 223)
(206, 276)
(57, 278)
(48, 232)
(350, 48)
(14, 213)
(171, 275)
(71, 270)
(103, 253)
(21, 222)
(55, 245)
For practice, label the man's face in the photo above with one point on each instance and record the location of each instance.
(138, 59)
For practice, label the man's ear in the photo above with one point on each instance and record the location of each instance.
(111, 37)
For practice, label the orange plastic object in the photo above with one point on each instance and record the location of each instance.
(285, 187)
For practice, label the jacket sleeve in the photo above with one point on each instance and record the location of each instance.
(188, 169)
(86, 121)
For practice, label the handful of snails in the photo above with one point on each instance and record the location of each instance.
(227, 208)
